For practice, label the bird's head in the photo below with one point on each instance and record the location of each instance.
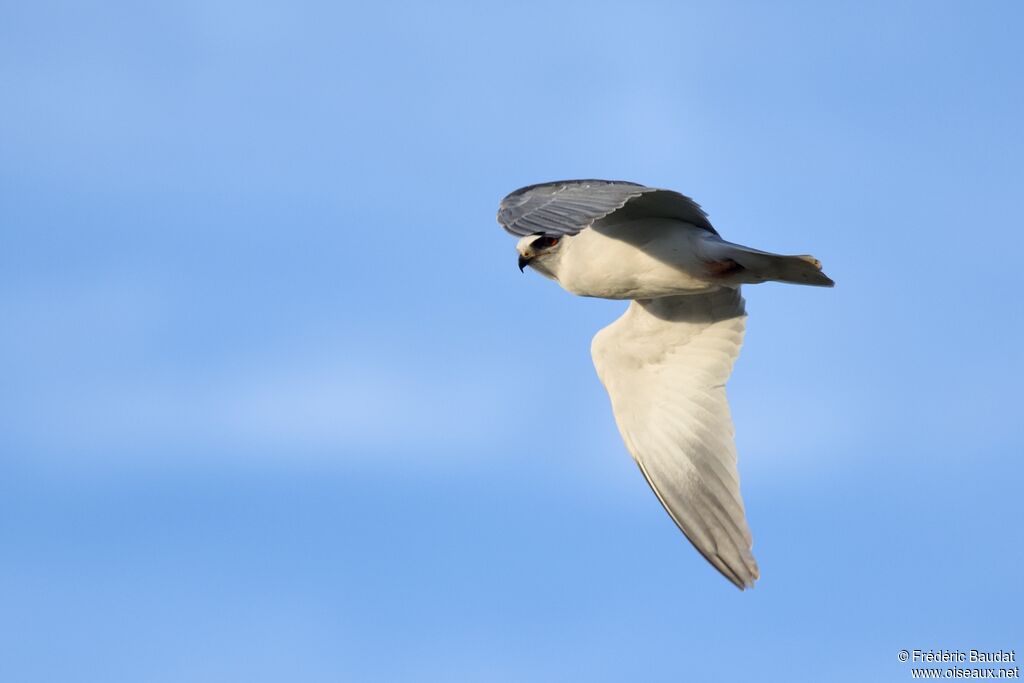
(541, 252)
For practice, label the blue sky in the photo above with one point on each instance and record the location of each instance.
(278, 405)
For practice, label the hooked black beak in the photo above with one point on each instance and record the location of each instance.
(523, 262)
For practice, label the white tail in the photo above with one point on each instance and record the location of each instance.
(737, 264)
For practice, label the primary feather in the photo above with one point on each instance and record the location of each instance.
(665, 363)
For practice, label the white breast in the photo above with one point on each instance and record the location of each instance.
(640, 259)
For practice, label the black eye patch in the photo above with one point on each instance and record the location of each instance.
(544, 242)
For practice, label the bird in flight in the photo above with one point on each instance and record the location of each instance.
(665, 362)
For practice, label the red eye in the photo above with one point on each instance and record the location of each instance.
(544, 242)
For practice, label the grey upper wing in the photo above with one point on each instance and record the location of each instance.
(567, 206)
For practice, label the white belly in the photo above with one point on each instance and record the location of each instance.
(642, 259)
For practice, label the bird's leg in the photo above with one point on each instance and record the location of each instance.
(723, 268)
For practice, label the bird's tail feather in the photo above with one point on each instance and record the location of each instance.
(751, 265)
